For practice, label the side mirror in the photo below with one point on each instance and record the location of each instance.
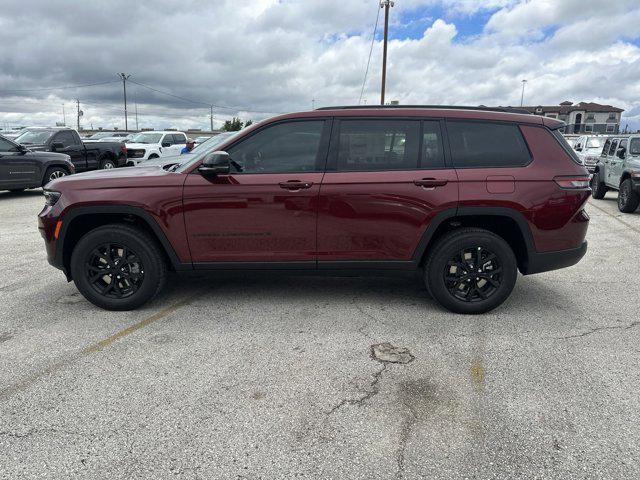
(216, 163)
(578, 148)
(621, 152)
(56, 146)
(166, 144)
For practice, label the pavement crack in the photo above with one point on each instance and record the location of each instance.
(371, 391)
(600, 329)
(405, 433)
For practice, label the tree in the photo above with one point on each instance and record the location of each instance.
(249, 122)
(232, 125)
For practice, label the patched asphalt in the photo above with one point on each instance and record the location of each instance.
(303, 377)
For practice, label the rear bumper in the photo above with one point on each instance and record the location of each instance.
(544, 262)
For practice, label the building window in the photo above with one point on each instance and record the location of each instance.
(611, 128)
(551, 115)
(591, 117)
(588, 127)
(612, 116)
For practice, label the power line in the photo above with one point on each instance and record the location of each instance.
(57, 88)
(373, 38)
(197, 102)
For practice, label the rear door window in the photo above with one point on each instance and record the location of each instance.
(485, 144)
(432, 152)
(613, 147)
(373, 145)
(179, 139)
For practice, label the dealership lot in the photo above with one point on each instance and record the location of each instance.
(272, 377)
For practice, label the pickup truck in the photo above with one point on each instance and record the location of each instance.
(619, 169)
(150, 145)
(84, 156)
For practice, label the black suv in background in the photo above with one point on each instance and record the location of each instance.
(21, 168)
(85, 156)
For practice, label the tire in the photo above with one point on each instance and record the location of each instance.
(598, 188)
(107, 164)
(446, 281)
(102, 249)
(628, 199)
(53, 173)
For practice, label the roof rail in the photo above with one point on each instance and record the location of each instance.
(447, 107)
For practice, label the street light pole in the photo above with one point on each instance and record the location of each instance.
(124, 87)
(522, 95)
(386, 4)
(211, 116)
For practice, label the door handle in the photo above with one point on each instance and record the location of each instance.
(295, 185)
(430, 183)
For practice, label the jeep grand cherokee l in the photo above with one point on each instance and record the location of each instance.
(465, 196)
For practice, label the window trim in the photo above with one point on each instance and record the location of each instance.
(499, 122)
(613, 128)
(332, 160)
(323, 146)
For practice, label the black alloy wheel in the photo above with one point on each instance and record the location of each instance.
(473, 274)
(114, 271)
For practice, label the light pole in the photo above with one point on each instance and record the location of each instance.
(386, 4)
(524, 82)
(124, 78)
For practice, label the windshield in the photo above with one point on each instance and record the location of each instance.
(31, 137)
(210, 143)
(209, 146)
(147, 138)
(594, 142)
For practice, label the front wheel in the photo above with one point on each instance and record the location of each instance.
(598, 188)
(470, 271)
(118, 267)
(628, 198)
(54, 173)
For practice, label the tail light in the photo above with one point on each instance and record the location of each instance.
(572, 182)
(123, 149)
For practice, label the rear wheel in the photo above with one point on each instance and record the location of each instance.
(107, 164)
(598, 188)
(118, 267)
(628, 199)
(470, 270)
(53, 173)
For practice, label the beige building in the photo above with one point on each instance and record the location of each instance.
(583, 117)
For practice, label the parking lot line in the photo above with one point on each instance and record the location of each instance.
(96, 347)
(626, 224)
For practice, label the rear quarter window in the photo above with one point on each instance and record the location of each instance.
(634, 146)
(479, 144)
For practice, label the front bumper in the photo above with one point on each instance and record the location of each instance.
(547, 261)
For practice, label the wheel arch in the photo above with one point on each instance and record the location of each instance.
(507, 223)
(80, 220)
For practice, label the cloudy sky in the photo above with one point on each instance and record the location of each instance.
(254, 58)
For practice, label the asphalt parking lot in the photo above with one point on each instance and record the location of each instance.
(260, 377)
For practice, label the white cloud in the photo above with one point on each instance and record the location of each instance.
(272, 56)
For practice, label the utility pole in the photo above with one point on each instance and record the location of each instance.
(135, 99)
(313, 104)
(386, 4)
(64, 117)
(124, 87)
(211, 116)
(522, 95)
(79, 113)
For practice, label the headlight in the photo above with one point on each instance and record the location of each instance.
(51, 197)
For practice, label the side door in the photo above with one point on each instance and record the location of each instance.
(385, 182)
(620, 156)
(17, 168)
(69, 143)
(611, 164)
(165, 145)
(265, 210)
(179, 142)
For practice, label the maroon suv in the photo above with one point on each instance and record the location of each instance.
(468, 196)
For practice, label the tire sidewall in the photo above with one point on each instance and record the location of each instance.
(97, 237)
(631, 203)
(434, 275)
(104, 164)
